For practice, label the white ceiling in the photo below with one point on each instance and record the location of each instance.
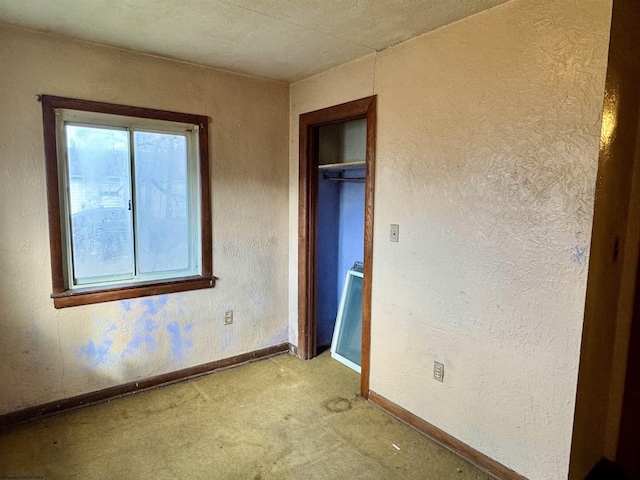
(280, 39)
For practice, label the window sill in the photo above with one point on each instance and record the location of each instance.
(86, 296)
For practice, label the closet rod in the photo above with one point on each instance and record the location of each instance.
(341, 179)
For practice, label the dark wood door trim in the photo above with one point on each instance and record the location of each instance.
(307, 227)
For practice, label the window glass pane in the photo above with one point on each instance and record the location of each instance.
(349, 343)
(99, 189)
(162, 222)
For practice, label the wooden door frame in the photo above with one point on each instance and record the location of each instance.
(629, 427)
(310, 124)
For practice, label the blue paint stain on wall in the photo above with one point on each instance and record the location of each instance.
(33, 333)
(179, 344)
(145, 333)
(154, 304)
(143, 337)
(97, 354)
(579, 254)
(149, 316)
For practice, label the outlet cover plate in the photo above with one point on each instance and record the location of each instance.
(438, 371)
(228, 317)
(394, 233)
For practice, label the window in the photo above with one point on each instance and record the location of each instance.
(128, 201)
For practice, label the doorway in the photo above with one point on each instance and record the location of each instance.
(308, 241)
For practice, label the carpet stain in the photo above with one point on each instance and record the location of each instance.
(338, 405)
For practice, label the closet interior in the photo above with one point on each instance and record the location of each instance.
(340, 241)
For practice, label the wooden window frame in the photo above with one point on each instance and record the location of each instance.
(62, 295)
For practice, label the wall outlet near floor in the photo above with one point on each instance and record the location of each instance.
(438, 371)
(228, 317)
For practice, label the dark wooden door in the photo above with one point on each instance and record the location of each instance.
(628, 455)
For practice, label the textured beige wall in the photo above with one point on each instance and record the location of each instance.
(49, 354)
(487, 156)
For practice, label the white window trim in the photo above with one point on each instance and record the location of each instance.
(93, 119)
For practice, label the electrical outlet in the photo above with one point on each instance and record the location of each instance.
(395, 232)
(438, 371)
(228, 317)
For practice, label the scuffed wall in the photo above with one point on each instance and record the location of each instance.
(50, 354)
(487, 153)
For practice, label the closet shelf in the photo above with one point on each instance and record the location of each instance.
(343, 166)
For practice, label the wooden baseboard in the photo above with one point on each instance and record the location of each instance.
(53, 408)
(461, 449)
